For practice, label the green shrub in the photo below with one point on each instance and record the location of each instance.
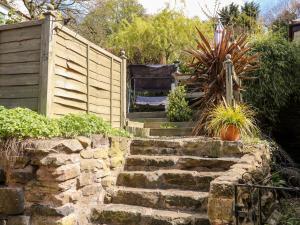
(82, 125)
(86, 124)
(240, 116)
(178, 109)
(278, 78)
(24, 123)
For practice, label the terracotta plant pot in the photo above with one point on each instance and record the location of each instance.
(230, 133)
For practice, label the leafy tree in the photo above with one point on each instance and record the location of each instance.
(105, 19)
(158, 39)
(251, 9)
(286, 15)
(241, 20)
(278, 77)
(229, 14)
(35, 8)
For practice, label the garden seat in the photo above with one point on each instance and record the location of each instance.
(150, 84)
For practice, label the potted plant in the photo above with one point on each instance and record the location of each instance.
(230, 123)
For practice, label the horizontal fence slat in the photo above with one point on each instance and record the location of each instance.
(99, 77)
(99, 69)
(70, 94)
(99, 85)
(99, 93)
(99, 58)
(31, 103)
(71, 43)
(100, 109)
(19, 79)
(60, 109)
(69, 84)
(20, 68)
(16, 57)
(20, 46)
(19, 92)
(70, 102)
(70, 55)
(70, 65)
(99, 101)
(20, 34)
(70, 74)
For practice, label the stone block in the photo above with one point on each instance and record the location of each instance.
(99, 141)
(117, 161)
(85, 178)
(21, 161)
(108, 182)
(101, 153)
(58, 159)
(85, 141)
(90, 165)
(68, 220)
(62, 173)
(67, 172)
(18, 220)
(69, 146)
(47, 210)
(11, 201)
(93, 189)
(87, 154)
(220, 209)
(24, 175)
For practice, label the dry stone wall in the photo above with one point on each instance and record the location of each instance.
(254, 165)
(58, 181)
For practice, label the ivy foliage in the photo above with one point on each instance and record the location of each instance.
(25, 123)
(178, 109)
(278, 78)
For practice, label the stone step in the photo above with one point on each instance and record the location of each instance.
(152, 120)
(171, 132)
(118, 214)
(188, 146)
(154, 124)
(188, 201)
(152, 163)
(139, 115)
(168, 179)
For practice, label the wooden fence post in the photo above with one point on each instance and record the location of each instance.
(123, 89)
(46, 63)
(228, 65)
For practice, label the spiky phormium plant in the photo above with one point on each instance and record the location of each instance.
(209, 74)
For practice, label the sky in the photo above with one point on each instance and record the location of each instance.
(193, 7)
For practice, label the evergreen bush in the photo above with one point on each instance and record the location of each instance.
(178, 109)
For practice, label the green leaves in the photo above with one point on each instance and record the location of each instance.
(278, 77)
(24, 123)
(161, 37)
(178, 109)
(241, 116)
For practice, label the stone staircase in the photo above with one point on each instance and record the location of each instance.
(158, 124)
(165, 182)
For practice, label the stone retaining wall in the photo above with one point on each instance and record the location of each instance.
(254, 165)
(58, 181)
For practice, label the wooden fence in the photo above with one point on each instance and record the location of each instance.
(48, 68)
